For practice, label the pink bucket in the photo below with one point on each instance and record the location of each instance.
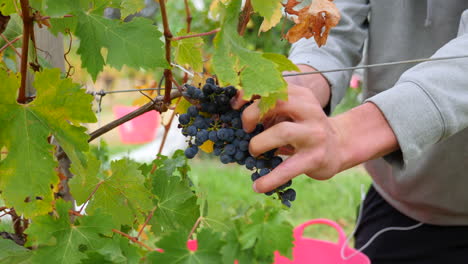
(307, 250)
(138, 130)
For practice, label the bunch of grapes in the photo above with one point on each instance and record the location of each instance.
(212, 118)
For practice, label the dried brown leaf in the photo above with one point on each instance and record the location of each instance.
(315, 20)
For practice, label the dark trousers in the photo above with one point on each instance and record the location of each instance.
(427, 244)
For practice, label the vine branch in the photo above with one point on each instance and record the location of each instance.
(167, 36)
(214, 31)
(244, 17)
(188, 15)
(157, 104)
(133, 239)
(27, 29)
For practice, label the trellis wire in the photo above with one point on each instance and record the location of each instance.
(378, 65)
(307, 73)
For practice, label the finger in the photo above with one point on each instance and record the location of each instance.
(237, 101)
(251, 117)
(288, 169)
(279, 135)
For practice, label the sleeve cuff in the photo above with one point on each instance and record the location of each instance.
(413, 117)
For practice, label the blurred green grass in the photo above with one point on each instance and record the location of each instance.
(227, 186)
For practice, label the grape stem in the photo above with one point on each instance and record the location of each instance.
(214, 31)
(200, 218)
(133, 239)
(146, 222)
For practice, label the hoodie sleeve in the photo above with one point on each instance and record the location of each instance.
(343, 48)
(430, 101)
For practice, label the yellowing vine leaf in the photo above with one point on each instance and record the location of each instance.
(269, 22)
(188, 52)
(315, 20)
(27, 174)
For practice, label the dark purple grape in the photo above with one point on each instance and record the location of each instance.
(264, 171)
(250, 163)
(192, 130)
(192, 111)
(184, 119)
(289, 194)
(191, 152)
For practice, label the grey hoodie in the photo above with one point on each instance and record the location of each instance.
(426, 105)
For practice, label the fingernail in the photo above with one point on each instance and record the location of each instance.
(254, 187)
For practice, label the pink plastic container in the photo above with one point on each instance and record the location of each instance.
(138, 130)
(308, 250)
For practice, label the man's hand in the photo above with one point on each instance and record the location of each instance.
(304, 127)
(319, 146)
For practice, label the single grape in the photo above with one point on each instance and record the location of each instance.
(289, 194)
(230, 149)
(264, 171)
(202, 135)
(191, 152)
(226, 118)
(240, 134)
(275, 161)
(230, 91)
(255, 176)
(213, 136)
(217, 151)
(210, 81)
(184, 119)
(250, 162)
(223, 134)
(192, 111)
(192, 130)
(225, 158)
(269, 193)
(240, 155)
(236, 123)
(244, 145)
(261, 163)
(208, 88)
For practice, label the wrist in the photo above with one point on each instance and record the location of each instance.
(363, 134)
(317, 83)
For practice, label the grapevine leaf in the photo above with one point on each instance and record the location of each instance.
(176, 202)
(236, 65)
(188, 52)
(61, 25)
(129, 7)
(85, 178)
(60, 241)
(182, 106)
(175, 249)
(118, 250)
(136, 43)
(7, 7)
(282, 62)
(232, 251)
(58, 109)
(267, 232)
(121, 194)
(266, 8)
(207, 147)
(272, 21)
(12, 253)
(268, 102)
